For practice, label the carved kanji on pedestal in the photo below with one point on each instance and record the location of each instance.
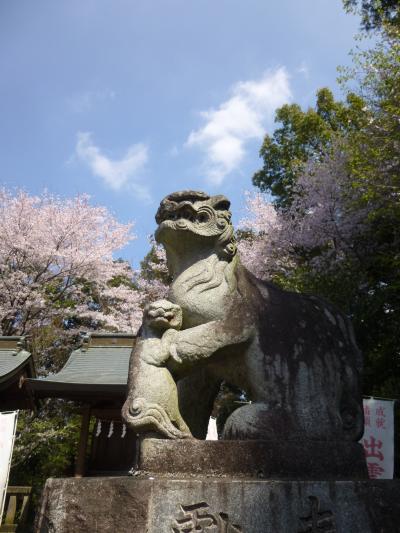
(199, 518)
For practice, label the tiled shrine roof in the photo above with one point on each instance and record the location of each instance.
(99, 368)
(13, 358)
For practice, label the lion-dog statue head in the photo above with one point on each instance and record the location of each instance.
(193, 215)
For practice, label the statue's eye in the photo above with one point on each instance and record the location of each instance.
(203, 217)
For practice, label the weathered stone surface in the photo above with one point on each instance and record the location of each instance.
(95, 505)
(259, 459)
(111, 505)
(294, 355)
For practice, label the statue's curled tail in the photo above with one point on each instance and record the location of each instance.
(145, 416)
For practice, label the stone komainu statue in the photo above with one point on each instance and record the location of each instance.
(294, 355)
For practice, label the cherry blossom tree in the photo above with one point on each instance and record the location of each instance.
(322, 227)
(260, 233)
(57, 266)
(154, 277)
(326, 220)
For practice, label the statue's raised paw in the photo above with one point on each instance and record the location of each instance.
(162, 315)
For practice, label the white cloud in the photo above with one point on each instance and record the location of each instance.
(116, 174)
(237, 120)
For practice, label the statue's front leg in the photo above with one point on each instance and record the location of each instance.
(183, 350)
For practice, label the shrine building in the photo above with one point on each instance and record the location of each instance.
(95, 378)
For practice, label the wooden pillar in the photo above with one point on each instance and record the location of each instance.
(83, 441)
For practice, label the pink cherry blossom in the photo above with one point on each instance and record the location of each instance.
(57, 259)
(323, 225)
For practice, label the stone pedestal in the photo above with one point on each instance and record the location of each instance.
(212, 505)
(228, 487)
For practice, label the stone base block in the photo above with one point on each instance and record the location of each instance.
(259, 459)
(117, 505)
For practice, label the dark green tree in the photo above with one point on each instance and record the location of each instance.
(301, 137)
(375, 13)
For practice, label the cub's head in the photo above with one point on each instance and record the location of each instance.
(195, 218)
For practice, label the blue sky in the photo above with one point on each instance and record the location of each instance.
(129, 100)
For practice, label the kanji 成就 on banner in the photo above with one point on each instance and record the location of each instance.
(378, 438)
